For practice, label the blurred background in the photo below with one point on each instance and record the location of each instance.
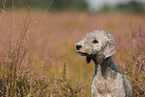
(37, 37)
(93, 6)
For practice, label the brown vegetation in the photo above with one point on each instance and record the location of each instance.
(49, 41)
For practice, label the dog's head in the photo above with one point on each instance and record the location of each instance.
(98, 43)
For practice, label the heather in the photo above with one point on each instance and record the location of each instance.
(38, 57)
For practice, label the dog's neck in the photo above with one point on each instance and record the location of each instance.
(102, 65)
(102, 61)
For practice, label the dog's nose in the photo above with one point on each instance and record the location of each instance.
(78, 47)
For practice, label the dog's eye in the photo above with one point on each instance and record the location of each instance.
(95, 41)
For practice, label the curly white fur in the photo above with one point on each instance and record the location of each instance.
(108, 80)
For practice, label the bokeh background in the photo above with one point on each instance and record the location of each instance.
(37, 44)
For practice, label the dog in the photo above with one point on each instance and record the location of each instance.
(108, 80)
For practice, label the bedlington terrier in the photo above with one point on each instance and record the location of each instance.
(108, 80)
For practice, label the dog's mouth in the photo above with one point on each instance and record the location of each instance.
(86, 54)
(83, 53)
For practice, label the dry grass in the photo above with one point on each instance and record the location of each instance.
(38, 48)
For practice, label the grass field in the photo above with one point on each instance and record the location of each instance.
(38, 57)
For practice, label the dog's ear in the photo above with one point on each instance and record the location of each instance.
(108, 49)
(88, 59)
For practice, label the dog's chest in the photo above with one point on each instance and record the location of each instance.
(104, 81)
(102, 85)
